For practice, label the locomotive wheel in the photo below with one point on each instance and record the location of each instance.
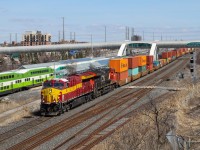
(89, 97)
(67, 108)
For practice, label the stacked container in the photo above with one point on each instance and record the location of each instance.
(183, 51)
(142, 64)
(133, 70)
(186, 50)
(167, 56)
(178, 54)
(156, 64)
(174, 54)
(163, 62)
(180, 51)
(150, 63)
(119, 70)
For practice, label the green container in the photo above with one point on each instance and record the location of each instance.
(142, 68)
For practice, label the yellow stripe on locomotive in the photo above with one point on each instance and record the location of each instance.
(54, 95)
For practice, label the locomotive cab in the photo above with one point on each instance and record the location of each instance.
(51, 96)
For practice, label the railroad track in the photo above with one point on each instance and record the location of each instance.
(100, 109)
(101, 133)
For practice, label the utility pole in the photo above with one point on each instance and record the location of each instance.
(132, 31)
(70, 36)
(128, 33)
(10, 38)
(16, 38)
(105, 33)
(63, 29)
(74, 36)
(58, 36)
(91, 45)
(132, 34)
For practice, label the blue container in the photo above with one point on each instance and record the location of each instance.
(156, 63)
(132, 72)
(142, 68)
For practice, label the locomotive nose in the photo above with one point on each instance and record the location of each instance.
(49, 96)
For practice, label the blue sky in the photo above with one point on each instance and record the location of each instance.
(171, 19)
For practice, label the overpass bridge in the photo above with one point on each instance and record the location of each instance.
(123, 47)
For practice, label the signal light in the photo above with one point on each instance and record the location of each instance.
(191, 52)
(191, 69)
(191, 60)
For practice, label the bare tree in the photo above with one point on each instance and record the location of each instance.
(161, 118)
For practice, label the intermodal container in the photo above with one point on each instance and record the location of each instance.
(149, 59)
(186, 50)
(119, 64)
(150, 67)
(142, 60)
(178, 54)
(142, 68)
(174, 53)
(132, 72)
(173, 57)
(169, 54)
(156, 63)
(165, 55)
(169, 60)
(133, 62)
(122, 75)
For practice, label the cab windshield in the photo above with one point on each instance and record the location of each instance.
(47, 84)
(58, 85)
(55, 84)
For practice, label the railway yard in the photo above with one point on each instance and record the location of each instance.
(92, 125)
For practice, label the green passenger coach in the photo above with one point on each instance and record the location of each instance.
(17, 80)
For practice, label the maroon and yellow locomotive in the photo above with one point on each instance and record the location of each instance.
(60, 95)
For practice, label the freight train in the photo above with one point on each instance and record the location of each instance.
(61, 94)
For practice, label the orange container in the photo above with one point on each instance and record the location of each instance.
(142, 61)
(121, 75)
(118, 76)
(119, 64)
(133, 62)
(149, 59)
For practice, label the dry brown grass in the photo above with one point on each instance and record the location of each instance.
(14, 117)
(188, 115)
(8, 105)
(179, 112)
